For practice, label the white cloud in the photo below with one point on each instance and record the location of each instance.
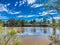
(16, 3)
(50, 12)
(56, 17)
(21, 3)
(4, 8)
(30, 15)
(36, 5)
(44, 13)
(8, 4)
(24, 0)
(13, 12)
(53, 13)
(5, 5)
(27, 16)
(3, 17)
(20, 16)
(40, 13)
(31, 1)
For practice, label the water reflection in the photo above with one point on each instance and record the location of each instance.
(45, 30)
(52, 32)
(36, 30)
(55, 36)
(22, 30)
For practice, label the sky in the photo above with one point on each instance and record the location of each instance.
(25, 10)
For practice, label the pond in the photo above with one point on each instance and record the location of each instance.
(37, 31)
(36, 35)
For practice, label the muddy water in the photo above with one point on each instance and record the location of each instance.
(36, 35)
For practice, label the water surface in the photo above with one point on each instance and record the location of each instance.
(36, 35)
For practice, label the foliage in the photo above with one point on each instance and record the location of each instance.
(59, 22)
(32, 21)
(10, 38)
(1, 23)
(11, 22)
(18, 23)
(15, 23)
(12, 32)
(54, 22)
(1, 29)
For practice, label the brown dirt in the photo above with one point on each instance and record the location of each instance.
(35, 40)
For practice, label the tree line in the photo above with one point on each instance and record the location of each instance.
(18, 23)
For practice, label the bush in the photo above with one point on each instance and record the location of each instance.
(10, 38)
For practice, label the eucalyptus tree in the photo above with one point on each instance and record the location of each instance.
(48, 22)
(11, 23)
(33, 22)
(2, 23)
(18, 23)
(59, 22)
(23, 22)
(54, 22)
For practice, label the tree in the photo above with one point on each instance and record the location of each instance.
(18, 23)
(23, 22)
(44, 21)
(48, 22)
(11, 23)
(33, 21)
(59, 22)
(1, 23)
(54, 22)
(15, 23)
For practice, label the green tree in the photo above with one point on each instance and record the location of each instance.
(54, 22)
(11, 23)
(23, 22)
(18, 23)
(1, 23)
(15, 23)
(44, 21)
(33, 22)
(48, 22)
(59, 22)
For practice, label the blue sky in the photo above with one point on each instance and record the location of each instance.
(25, 9)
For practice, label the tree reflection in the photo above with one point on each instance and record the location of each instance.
(54, 37)
(45, 30)
(22, 29)
(34, 29)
